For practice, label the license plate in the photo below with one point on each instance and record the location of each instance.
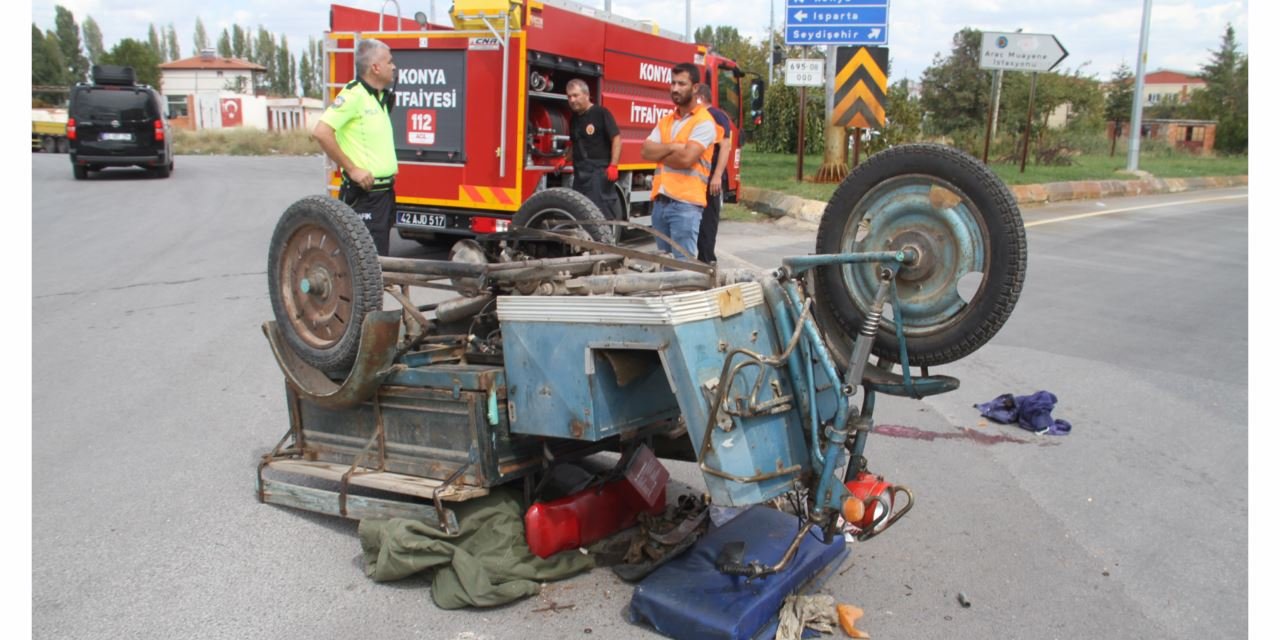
(421, 219)
(118, 136)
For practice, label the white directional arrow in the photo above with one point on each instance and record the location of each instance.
(801, 15)
(875, 33)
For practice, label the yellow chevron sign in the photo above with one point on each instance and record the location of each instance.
(860, 87)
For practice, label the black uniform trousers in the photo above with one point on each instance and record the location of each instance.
(590, 180)
(375, 207)
(708, 227)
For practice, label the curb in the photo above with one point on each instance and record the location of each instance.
(778, 204)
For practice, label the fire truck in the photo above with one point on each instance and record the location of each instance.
(481, 116)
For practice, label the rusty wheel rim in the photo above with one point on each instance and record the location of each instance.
(316, 282)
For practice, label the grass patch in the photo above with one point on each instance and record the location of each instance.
(244, 141)
(739, 213)
(777, 171)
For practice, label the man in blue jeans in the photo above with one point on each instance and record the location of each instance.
(681, 144)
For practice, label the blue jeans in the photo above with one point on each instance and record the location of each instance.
(679, 221)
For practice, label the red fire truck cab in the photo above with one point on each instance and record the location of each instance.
(481, 115)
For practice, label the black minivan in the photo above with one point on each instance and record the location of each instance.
(116, 122)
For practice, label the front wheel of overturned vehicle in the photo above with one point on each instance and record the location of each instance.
(967, 230)
(323, 276)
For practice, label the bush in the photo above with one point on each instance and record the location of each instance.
(777, 134)
(244, 141)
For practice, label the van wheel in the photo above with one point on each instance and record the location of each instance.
(163, 171)
(323, 278)
(79, 171)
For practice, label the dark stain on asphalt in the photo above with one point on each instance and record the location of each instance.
(912, 433)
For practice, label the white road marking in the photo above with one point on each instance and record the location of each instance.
(1125, 209)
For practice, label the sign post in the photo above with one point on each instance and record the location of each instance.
(803, 73)
(1034, 52)
(833, 23)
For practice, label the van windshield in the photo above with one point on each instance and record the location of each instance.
(113, 104)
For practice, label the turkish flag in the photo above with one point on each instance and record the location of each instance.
(232, 115)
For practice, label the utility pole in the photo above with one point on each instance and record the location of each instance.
(768, 49)
(1135, 116)
(688, 20)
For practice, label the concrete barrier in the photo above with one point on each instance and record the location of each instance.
(778, 204)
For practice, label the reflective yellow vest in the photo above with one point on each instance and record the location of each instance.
(687, 185)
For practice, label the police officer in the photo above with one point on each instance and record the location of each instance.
(355, 132)
(596, 144)
(719, 181)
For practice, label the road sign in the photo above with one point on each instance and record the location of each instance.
(837, 22)
(805, 72)
(1036, 52)
(860, 87)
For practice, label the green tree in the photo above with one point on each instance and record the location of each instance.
(1225, 97)
(955, 92)
(239, 43)
(172, 51)
(264, 51)
(904, 119)
(224, 44)
(136, 54)
(1120, 94)
(201, 38)
(284, 83)
(304, 74)
(47, 65)
(69, 41)
(92, 40)
(155, 41)
(311, 69)
(778, 133)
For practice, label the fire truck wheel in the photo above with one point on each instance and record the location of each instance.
(323, 276)
(548, 208)
(967, 229)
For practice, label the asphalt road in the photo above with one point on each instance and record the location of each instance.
(154, 394)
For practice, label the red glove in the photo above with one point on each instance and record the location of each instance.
(612, 173)
(560, 163)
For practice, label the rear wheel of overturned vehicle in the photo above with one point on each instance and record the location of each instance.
(559, 209)
(966, 227)
(323, 276)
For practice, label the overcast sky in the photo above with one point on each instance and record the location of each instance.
(1099, 34)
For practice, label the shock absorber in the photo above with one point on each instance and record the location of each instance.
(867, 332)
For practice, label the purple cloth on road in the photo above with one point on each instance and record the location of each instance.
(1033, 412)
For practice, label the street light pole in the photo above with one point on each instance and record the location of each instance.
(768, 49)
(688, 20)
(1135, 116)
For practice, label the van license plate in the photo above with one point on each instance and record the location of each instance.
(421, 219)
(125, 137)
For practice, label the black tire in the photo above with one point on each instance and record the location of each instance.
(546, 208)
(79, 171)
(963, 219)
(163, 171)
(48, 144)
(321, 321)
(64, 146)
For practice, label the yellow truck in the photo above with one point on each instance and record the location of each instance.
(49, 130)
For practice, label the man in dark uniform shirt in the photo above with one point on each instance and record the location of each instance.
(719, 181)
(596, 144)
